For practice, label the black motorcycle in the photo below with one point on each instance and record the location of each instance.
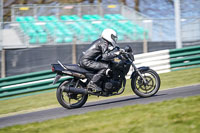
(73, 92)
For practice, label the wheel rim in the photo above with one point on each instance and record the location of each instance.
(70, 98)
(151, 80)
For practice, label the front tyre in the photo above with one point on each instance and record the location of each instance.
(150, 88)
(70, 100)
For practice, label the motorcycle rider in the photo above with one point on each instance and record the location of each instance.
(101, 48)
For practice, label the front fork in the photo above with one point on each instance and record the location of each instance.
(137, 70)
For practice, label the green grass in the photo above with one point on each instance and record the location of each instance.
(168, 80)
(174, 116)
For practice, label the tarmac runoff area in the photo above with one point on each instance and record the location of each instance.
(58, 112)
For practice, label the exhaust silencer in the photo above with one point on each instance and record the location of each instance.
(75, 90)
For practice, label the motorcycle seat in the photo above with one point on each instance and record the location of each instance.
(77, 68)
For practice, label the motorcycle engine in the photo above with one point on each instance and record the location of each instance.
(112, 86)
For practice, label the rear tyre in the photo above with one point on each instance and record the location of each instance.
(146, 90)
(70, 100)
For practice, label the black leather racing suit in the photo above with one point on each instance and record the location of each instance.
(88, 61)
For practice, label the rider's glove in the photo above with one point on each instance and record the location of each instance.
(117, 53)
(122, 51)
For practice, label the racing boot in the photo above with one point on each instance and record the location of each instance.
(94, 83)
(94, 87)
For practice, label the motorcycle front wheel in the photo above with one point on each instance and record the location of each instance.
(70, 100)
(150, 88)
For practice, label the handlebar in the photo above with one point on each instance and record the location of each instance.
(126, 55)
(122, 51)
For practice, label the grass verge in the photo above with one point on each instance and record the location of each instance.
(46, 100)
(174, 116)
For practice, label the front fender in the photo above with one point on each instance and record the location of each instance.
(141, 69)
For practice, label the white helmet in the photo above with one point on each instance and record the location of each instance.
(110, 35)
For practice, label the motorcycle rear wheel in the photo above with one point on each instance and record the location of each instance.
(146, 90)
(70, 100)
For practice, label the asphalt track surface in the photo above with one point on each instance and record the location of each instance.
(59, 112)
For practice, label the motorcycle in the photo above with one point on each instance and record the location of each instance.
(73, 92)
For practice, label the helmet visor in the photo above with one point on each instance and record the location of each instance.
(114, 38)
